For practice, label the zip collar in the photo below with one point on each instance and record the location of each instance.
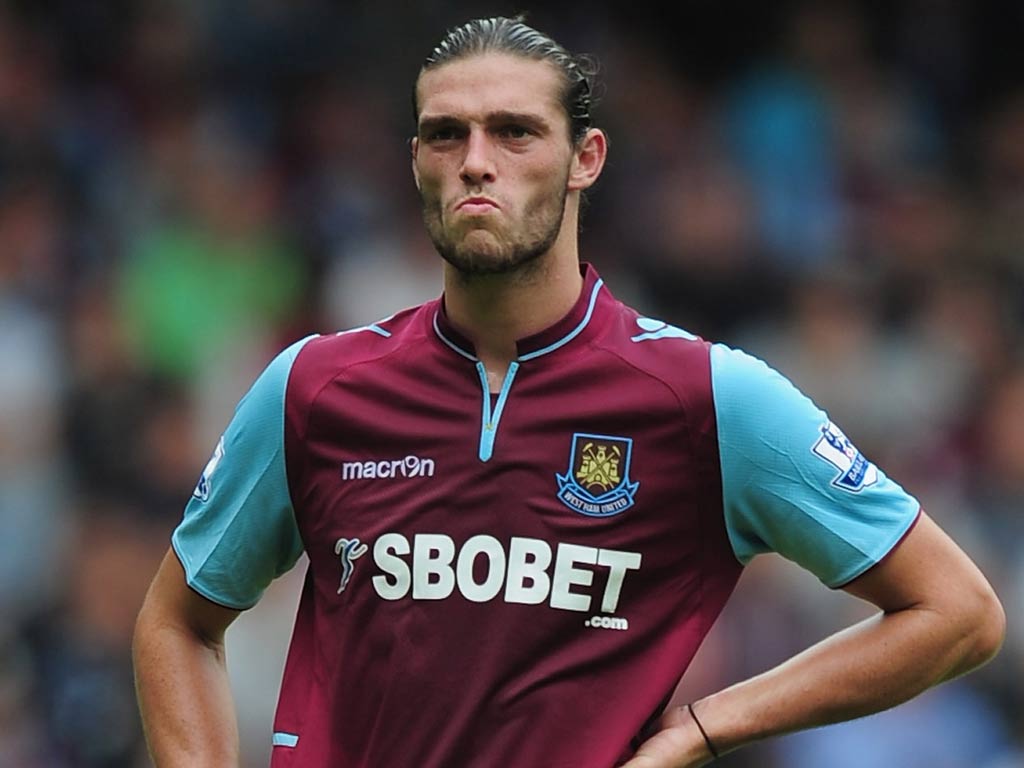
(576, 322)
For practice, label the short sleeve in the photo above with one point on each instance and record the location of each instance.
(239, 532)
(793, 483)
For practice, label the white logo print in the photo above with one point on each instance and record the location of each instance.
(202, 490)
(855, 471)
(410, 466)
(658, 329)
(527, 571)
(607, 622)
(349, 550)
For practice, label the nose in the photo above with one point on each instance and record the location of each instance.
(478, 163)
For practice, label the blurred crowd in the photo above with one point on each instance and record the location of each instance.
(187, 186)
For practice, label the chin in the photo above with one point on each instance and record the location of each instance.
(481, 253)
(476, 263)
(484, 252)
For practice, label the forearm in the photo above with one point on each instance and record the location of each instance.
(940, 618)
(872, 666)
(184, 696)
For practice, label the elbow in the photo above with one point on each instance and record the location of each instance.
(983, 629)
(989, 629)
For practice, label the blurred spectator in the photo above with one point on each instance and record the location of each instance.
(33, 492)
(83, 655)
(378, 276)
(950, 727)
(217, 273)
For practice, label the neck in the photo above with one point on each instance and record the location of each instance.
(494, 311)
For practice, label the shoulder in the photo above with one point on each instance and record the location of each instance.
(697, 369)
(323, 358)
(754, 398)
(652, 347)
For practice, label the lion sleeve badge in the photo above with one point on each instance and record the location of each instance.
(597, 482)
(855, 471)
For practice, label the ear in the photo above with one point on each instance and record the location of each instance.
(588, 159)
(414, 146)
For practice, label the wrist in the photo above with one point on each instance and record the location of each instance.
(678, 737)
(708, 742)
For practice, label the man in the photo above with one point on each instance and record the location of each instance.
(524, 504)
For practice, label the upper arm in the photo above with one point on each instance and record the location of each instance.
(181, 676)
(926, 569)
(239, 530)
(171, 603)
(793, 483)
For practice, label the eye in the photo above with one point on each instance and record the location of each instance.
(441, 133)
(514, 131)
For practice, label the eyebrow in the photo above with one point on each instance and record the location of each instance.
(501, 117)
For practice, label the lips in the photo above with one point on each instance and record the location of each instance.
(477, 205)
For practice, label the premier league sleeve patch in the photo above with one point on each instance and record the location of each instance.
(855, 471)
(202, 489)
(597, 482)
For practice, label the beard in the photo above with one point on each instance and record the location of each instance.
(497, 249)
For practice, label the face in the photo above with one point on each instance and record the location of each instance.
(492, 159)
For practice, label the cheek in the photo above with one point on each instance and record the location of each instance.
(546, 182)
(430, 190)
(430, 173)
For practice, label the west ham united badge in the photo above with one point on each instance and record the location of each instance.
(597, 483)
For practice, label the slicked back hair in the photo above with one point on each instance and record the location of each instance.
(513, 36)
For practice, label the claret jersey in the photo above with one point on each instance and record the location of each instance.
(520, 578)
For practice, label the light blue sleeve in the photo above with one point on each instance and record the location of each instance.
(793, 483)
(239, 532)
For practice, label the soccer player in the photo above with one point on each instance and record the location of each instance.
(524, 503)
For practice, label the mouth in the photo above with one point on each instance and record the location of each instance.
(477, 205)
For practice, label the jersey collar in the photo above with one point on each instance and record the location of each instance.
(577, 322)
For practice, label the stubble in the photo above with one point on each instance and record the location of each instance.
(494, 248)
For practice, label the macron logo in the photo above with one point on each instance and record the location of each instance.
(410, 466)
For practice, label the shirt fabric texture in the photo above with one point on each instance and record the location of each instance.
(520, 578)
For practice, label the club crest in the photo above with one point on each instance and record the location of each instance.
(597, 482)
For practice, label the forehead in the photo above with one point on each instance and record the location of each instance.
(480, 84)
